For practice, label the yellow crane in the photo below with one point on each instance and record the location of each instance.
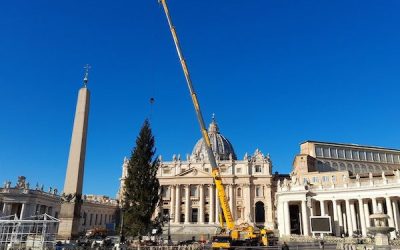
(231, 234)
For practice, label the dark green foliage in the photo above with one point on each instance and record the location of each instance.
(142, 188)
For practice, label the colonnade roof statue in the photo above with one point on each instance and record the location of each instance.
(221, 146)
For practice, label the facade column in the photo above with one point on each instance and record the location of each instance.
(172, 201)
(335, 218)
(232, 201)
(187, 201)
(374, 205)
(340, 217)
(281, 218)
(201, 210)
(304, 217)
(362, 218)
(211, 203)
(349, 220)
(269, 214)
(322, 207)
(366, 215)
(22, 214)
(178, 205)
(390, 213)
(353, 217)
(247, 203)
(286, 217)
(396, 214)
(345, 223)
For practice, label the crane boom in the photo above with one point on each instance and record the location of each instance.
(230, 224)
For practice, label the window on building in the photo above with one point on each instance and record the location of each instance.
(334, 153)
(341, 153)
(369, 156)
(318, 152)
(335, 166)
(91, 219)
(183, 191)
(350, 167)
(326, 153)
(258, 168)
(305, 180)
(165, 211)
(333, 178)
(396, 159)
(239, 212)
(166, 171)
(165, 192)
(95, 221)
(193, 191)
(238, 170)
(56, 215)
(342, 167)
(355, 155)
(239, 192)
(376, 157)
(320, 165)
(348, 154)
(206, 190)
(371, 169)
(327, 166)
(195, 214)
(325, 178)
(315, 179)
(207, 170)
(362, 156)
(382, 157)
(182, 218)
(389, 158)
(206, 218)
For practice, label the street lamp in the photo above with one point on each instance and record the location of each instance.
(122, 224)
(169, 217)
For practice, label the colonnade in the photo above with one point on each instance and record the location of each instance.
(182, 204)
(349, 216)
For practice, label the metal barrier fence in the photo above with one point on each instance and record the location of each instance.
(36, 232)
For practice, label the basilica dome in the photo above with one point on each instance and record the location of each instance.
(221, 147)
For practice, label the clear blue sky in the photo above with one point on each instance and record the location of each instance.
(276, 73)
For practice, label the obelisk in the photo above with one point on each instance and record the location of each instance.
(72, 194)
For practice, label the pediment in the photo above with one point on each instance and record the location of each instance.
(194, 172)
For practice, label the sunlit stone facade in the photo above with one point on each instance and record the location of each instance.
(189, 195)
(24, 201)
(345, 181)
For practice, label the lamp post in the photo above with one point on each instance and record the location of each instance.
(122, 225)
(169, 217)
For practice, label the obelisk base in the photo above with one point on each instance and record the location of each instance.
(70, 220)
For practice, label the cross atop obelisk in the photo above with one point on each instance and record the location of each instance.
(72, 193)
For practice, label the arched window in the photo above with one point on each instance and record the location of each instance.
(239, 192)
(193, 191)
(335, 166)
(350, 167)
(342, 167)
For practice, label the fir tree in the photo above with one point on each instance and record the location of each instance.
(142, 188)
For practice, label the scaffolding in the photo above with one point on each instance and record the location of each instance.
(35, 232)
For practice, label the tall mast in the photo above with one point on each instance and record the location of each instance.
(215, 171)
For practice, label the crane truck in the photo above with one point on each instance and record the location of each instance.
(231, 235)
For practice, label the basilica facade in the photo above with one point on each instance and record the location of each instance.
(189, 195)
